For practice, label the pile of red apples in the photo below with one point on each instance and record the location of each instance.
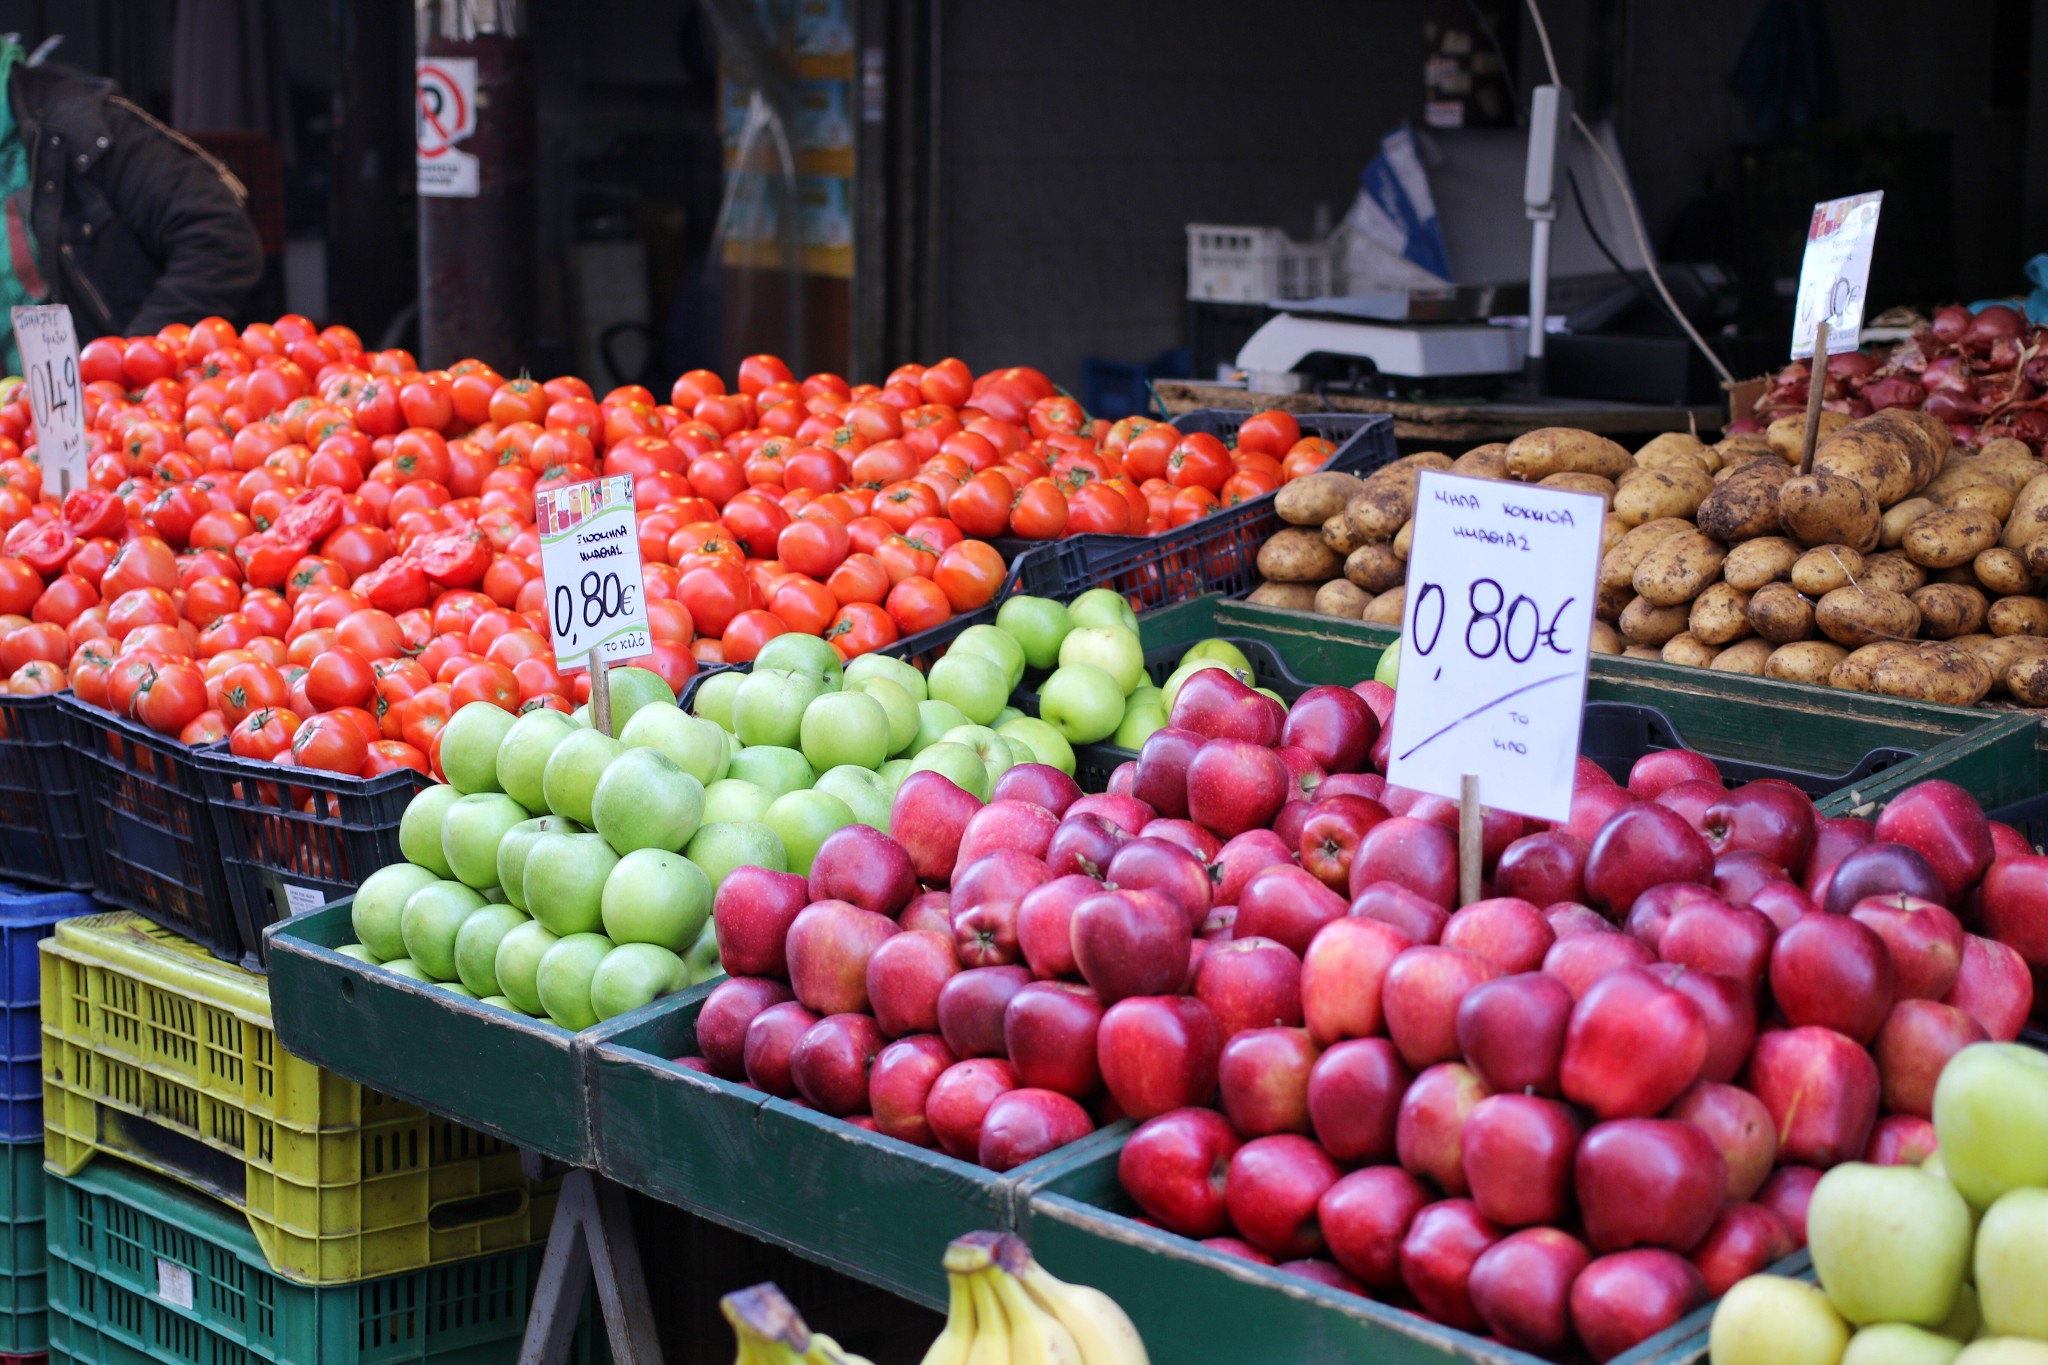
(1565, 1115)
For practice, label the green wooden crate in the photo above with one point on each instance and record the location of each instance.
(874, 1208)
(24, 1295)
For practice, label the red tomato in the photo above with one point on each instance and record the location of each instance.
(171, 698)
(340, 677)
(332, 743)
(1040, 511)
(250, 687)
(917, 604)
(714, 591)
(970, 574)
(263, 734)
(860, 628)
(747, 632)
(488, 682)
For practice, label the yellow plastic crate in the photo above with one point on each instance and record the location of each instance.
(157, 1053)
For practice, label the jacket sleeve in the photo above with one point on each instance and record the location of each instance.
(187, 214)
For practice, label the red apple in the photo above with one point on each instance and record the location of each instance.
(971, 1005)
(1511, 1032)
(929, 816)
(1518, 1159)
(1235, 785)
(1049, 1036)
(1324, 1273)
(1651, 913)
(1335, 725)
(986, 935)
(1638, 848)
(1371, 786)
(1186, 833)
(1822, 1091)
(959, 1099)
(771, 1037)
(1740, 1128)
(1768, 817)
(1174, 1167)
(1692, 799)
(1878, 869)
(1592, 807)
(1083, 844)
(1745, 1240)
(1220, 927)
(1272, 1191)
(1288, 823)
(1021, 826)
(1288, 906)
(1039, 783)
(1543, 869)
(1832, 972)
(1417, 917)
(1918, 1038)
(1945, 825)
(1579, 960)
(1221, 707)
(1739, 875)
(1147, 864)
(1521, 1287)
(1782, 903)
(1341, 977)
(1835, 837)
(1623, 1300)
(1566, 918)
(1508, 932)
(986, 894)
(1241, 858)
(829, 945)
(2015, 902)
(1728, 1011)
(1127, 813)
(753, 911)
(864, 867)
(1900, 1140)
(930, 912)
(1378, 696)
(1304, 775)
(1787, 1193)
(1727, 940)
(1331, 833)
(1121, 779)
(1130, 943)
(696, 1064)
(1158, 1053)
(1354, 1099)
(1498, 829)
(1263, 1077)
(1239, 1248)
(1250, 983)
(829, 1065)
(904, 978)
(1649, 1182)
(1417, 854)
(1045, 924)
(1161, 780)
(1923, 940)
(1662, 768)
(1633, 1045)
(1429, 1129)
(900, 1082)
(1423, 989)
(2007, 842)
(1993, 987)
(1365, 1217)
(1444, 1241)
(722, 1021)
(1023, 1125)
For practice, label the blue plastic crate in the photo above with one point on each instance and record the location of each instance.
(26, 919)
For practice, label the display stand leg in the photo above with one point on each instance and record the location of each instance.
(592, 1236)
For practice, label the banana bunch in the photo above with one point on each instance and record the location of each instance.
(1006, 1309)
(771, 1332)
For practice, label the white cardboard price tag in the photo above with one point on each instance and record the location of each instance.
(590, 561)
(1835, 272)
(1494, 642)
(49, 362)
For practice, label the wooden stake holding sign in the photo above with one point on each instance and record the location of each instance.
(590, 567)
(1816, 389)
(1827, 316)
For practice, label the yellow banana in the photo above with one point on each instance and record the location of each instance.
(1100, 1327)
(1036, 1336)
(991, 1324)
(823, 1350)
(953, 1344)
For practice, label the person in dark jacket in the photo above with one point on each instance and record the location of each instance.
(109, 211)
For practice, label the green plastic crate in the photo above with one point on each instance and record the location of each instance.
(24, 1297)
(142, 1271)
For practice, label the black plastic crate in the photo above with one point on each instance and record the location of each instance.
(42, 832)
(1217, 553)
(295, 839)
(152, 843)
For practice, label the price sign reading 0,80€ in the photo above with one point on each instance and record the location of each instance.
(1494, 643)
(590, 562)
(49, 364)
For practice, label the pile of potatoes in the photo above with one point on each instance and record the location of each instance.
(1896, 566)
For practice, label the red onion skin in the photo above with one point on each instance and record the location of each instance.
(1950, 322)
(1743, 426)
(2005, 354)
(1848, 407)
(1964, 435)
(1850, 365)
(1991, 324)
(1893, 391)
(1951, 406)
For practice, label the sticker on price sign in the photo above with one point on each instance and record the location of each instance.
(590, 561)
(49, 363)
(1835, 273)
(1494, 642)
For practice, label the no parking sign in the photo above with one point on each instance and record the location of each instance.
(445, 114)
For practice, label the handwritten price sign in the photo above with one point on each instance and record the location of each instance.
(49, 362)
(590, 562)
(1835, 272)
(1495, 642)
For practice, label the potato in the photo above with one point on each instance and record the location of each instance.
(1286, 596)
(1891, 527)
(1942, 540)
(1375, 568)
(2001, 652)
(1483, 462)
(1856, 616)
(1749, 656)
(1645, 623)
(1892, 453)
(1949, 609)
(1826, 508)
(1990, 499)
(2002, 572)
(2017, 616)
(1595, 484)
(1969, 471)
(1313, 499)
(1606, 639)
(1337, 535)
(2015, 465)
(1720, 615)
(1934, 672)
(1535, 455)
(1737, 461)
(1377, 510)
(1388, 608)
(1956, 573)
(1746, 505)
(2027, 680)
(1892, 572)
(1751, 445)
(1779, 614)
(1678, 449)
(1754, 563)
(1404, 539)
(2029, 516)
(1825, 568)
(1678, 568)
(1787, 434)
(1808, 661)
(1612, 529)
(1296, 555)
(1618, 565)
(1646, 494)
(1424, 459)
(1340, 598)
(1688, 649)
(1609, 600)
(1855, 673)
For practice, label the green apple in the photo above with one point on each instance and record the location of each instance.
(897, 705)
(580, 717)
(516, 845)
(518, 963)
(419, 829)
(524, 752)
(992, 749)
(934, 718)
(1965, 1322)
(1772, 1320)
(1171, 687)
(2012, 1263)
(845, 727)
(644, 800)
(769, 706)
(702, 959)
(1047, 745)
(359, 953)
(407, 968)
(570, 779)
(892, 774)
(428, 924)
(635, 974)
(1038, 625)
(863, 791)
(729, 801)
(655, 896)
(865, 666)
(1082, 702)
(1388, 669)
(715, 696)
(456, 988)
(469, 746)
(1112, 649)
(1004, 717)
(565, 876)
(1269, 692)
(996, 645)
(773, 769)
(1142, 716)
(1103, 607)
(1020, 752)
(1990, 1115)
(1889, 1243)
(803, 820)
(470, 833)
(476, 946)
(1223, 652)
(379, 902)
(633, 690)
(2004, 1351)
(694, 744)
(1898, 1343)
(719, 848)
(796, 652)
(564, 979)
(956, 762)
(979, 688)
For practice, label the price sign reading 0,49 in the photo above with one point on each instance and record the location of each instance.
(590, 561)
(49, 365)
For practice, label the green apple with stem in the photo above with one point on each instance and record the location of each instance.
(565, 875)
(632, 975)
(570, 779)
(1889, 1243)
(419, 829)
(845, 727)
(1082, 702)
(898, 706)
(769, 707)
(380, 901)
(516, 845)
(407, 968)
(973, 684)
(428, 924)
(635, 689)
(1223, 651)
(470, 833)
(796, 652)
(655, 896)
(934, 718)
(802, 820)
(1990, 1114)
(773, 769)
(1775, 1320)
(719, 848)
(715, 697)
(996, 645)
(523, 754)
(564, 979)
(730, 800)
(1103, 607)
(1142, 715)
(1046, 745)
(644, 800)
(1112, 649)
(469, 747)
(862, 667)
(1038, 625)
(518, 963)
(863, 791)
(995, 752)
(476, 946)
(694, 744)
(956, 761)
